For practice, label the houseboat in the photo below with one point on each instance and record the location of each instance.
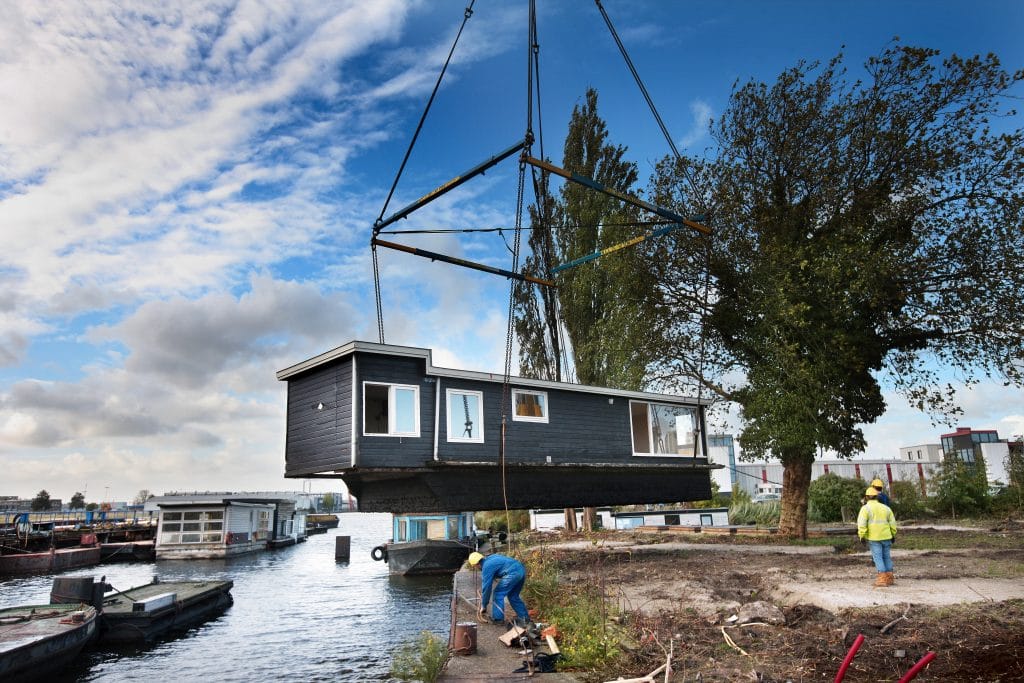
(211, 525)
(425, 544)
(404, 434)
(690, 517)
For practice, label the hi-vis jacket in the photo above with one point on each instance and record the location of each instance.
(876, 522)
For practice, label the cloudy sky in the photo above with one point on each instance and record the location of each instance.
(187, 194)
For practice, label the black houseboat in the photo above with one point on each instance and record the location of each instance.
(406, 435)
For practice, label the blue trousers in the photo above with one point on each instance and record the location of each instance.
(882, 555)
(509, 586)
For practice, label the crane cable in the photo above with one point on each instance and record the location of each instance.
(697, 195)
(412, 143)
(533, 49)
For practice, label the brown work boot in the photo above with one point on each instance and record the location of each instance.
(889, 579)
(880, 580)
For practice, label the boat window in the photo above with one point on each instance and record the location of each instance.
(401, 531)
(417, 530)
(453, 527)
(172, 515)
(175, 526)
(390, 410)
(465, 416)
(530, 406)
(661, 429)
(435, 529)
(193, 515)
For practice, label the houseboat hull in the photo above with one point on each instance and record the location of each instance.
(139, 615)
(449, 486)
(425, 558)
(37, 641)
(54, 560)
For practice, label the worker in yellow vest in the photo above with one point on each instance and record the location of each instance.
(877, 525)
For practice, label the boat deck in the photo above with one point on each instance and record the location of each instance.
(188, 592)
(20, 626)
(149, 612)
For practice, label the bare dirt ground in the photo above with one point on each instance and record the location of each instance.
(965, 603)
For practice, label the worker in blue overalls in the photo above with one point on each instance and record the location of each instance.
(511, 575)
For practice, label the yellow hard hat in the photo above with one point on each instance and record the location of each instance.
(877, 483)
(872, 491)
(474, 559)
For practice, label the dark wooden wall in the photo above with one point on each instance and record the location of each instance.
(582, 428)
(319, 440)
(395, 451)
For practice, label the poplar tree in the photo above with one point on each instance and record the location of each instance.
(865, 233)
(602, 304)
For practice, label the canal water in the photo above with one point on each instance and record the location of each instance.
(297, 614)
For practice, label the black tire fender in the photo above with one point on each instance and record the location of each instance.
(379, 553)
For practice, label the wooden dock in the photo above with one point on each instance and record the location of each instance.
(493, 661)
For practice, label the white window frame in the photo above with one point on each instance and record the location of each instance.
(455, 436)
(392, 410)
(210, 523)
(650, 436)
(529, 418)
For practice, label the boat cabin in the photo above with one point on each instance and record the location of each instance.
(406, 435)
(456, 526)
(212, 525)
(692, 517)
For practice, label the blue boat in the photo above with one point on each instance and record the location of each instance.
(428, 543)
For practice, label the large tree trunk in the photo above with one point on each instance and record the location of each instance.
(796, 480)
(570, 519)
(589, 519)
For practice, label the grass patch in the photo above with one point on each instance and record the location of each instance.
(588, 637)
(422, 660)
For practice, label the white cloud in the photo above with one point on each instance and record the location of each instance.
(701, 112)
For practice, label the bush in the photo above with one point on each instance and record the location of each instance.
(830, 494)
(762, 514)
(496, 520)
(589, 640)
(422, 660)
(907, 502)
(962, 489)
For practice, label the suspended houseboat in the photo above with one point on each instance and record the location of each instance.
(406, 435)
(424, 544)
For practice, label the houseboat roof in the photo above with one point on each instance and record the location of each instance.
(353, 347)
(190, 499)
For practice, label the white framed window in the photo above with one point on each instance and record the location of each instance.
(529, 406)
(465, 415)
(196, 526)
(391, 409)
(662, 429)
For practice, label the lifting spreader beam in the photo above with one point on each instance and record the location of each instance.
(611, 192)
(616, 247)
(434, 256)
(450, 185)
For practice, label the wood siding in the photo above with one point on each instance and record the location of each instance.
(320, 440)
(395, 451)
(581, 428)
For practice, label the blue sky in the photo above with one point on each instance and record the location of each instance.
(187, 192)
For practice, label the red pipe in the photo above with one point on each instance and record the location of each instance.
(916, 669)
(849, 657)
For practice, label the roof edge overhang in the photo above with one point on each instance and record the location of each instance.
(353, 347)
